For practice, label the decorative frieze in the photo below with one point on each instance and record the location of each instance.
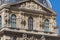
(31, 5)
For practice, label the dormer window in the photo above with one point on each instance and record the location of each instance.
(41, 1)
(46, 3)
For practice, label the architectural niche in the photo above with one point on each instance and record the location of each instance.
(23, 22)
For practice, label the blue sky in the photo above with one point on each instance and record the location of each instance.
(56, 8)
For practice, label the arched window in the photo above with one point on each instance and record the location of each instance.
(13, 21)
(46, 25)
(0, 22)
(30, 23)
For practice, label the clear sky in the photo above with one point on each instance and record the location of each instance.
(56, 8)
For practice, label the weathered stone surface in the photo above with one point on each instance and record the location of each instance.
(23, 11)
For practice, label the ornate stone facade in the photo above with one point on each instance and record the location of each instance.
(21, 12)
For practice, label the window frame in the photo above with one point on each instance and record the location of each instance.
(30, 23)
(13, 21)
(46, 25)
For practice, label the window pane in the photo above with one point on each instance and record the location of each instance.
(30, 23)
(46, 25)
(13, 21)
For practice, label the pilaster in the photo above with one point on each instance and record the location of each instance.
(5, 17)
(5, 37)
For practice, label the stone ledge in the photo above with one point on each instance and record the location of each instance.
(23, 31)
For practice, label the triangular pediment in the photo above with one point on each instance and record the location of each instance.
(32, 5)
(29, 5)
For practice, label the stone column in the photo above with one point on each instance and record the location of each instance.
(3, 38)
(6, 37)
(41, 23)
(24, 36)
(22, 20)
(3, 14)
(50, 25)
(5, 17)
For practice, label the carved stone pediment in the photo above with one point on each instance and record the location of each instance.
(29, 5)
